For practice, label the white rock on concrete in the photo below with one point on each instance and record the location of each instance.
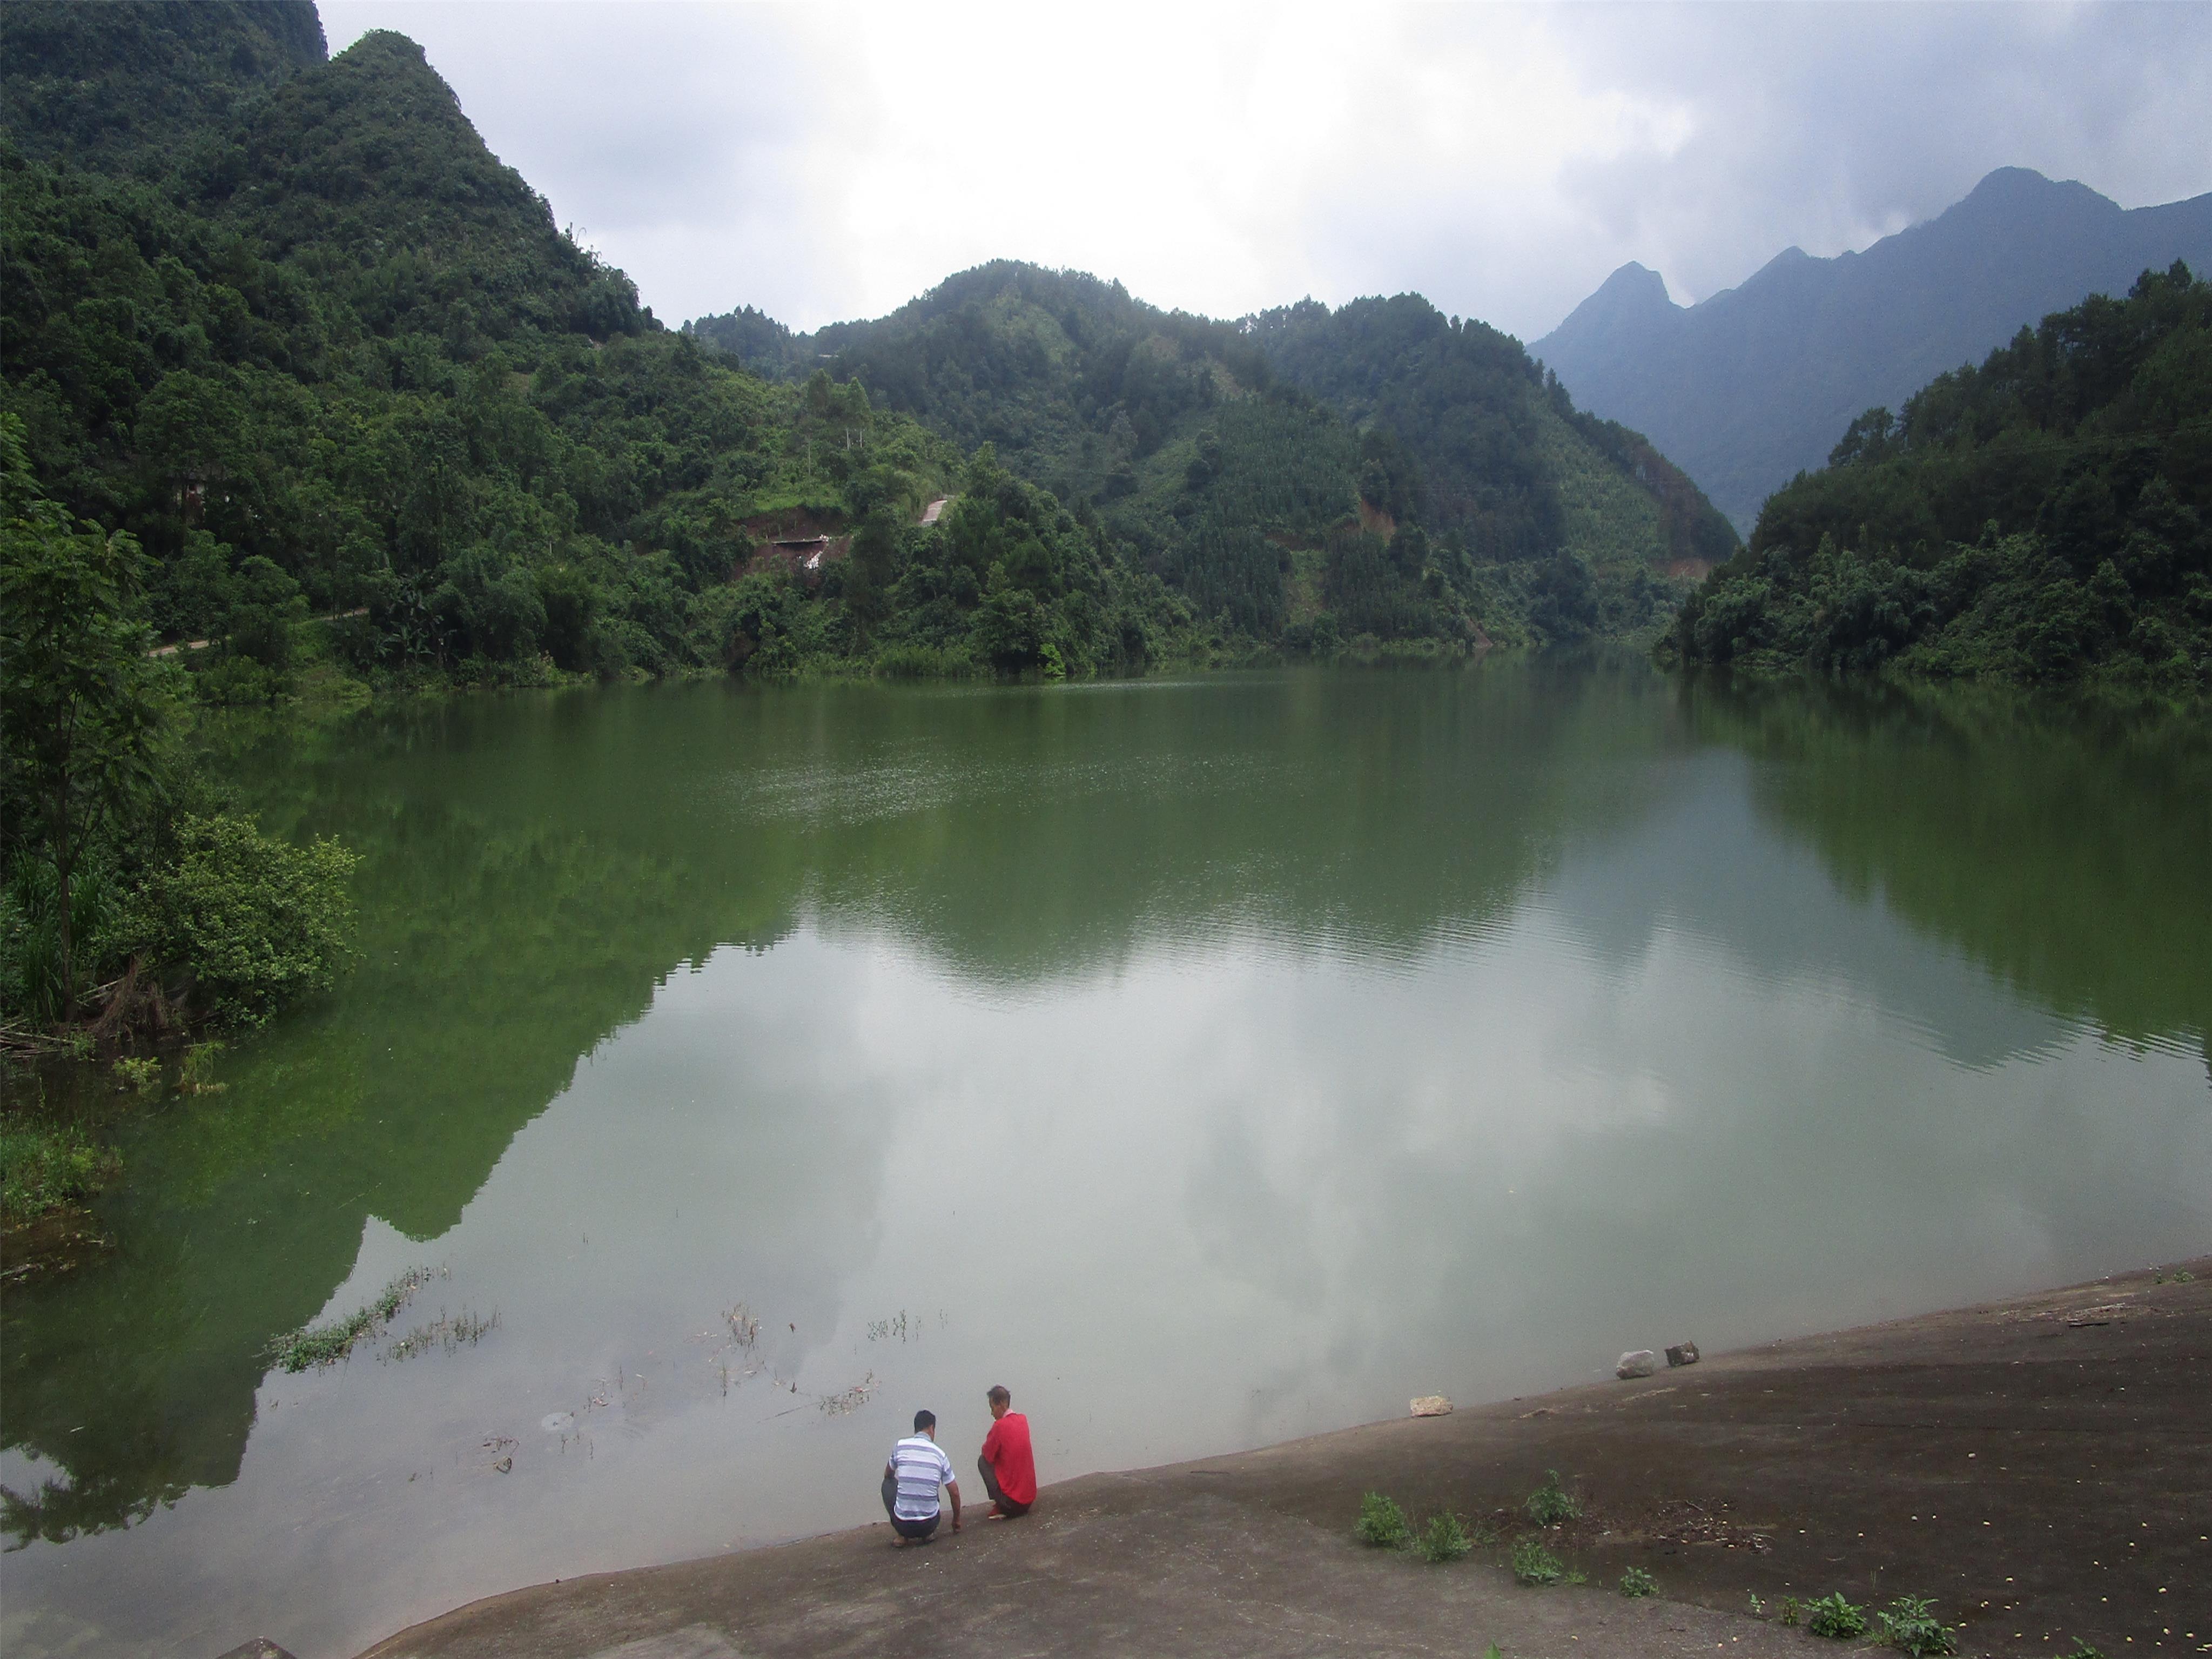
(1638, 1362)
(1432, 1405)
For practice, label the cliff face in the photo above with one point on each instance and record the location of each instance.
(1756, 383)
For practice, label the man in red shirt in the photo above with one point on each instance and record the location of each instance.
(1009, 1469)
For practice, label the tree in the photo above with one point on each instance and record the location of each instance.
(871, 569)
(80, 717)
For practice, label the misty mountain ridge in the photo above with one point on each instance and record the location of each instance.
(1750, 386)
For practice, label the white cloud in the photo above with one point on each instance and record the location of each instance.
(830, 161)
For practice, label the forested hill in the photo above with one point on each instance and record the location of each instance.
(292, 327)
(123, 83)
(325, 352)
(2042, 518)
(1751, 385)
(1265, 467)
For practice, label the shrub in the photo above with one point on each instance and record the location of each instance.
(45, 1167)
(1833, 1616)
(32, 982)
(906, 660)
(1444, 1539)
(257, 921)
(1535, 1565)
(1551, 1504)
(1911, 1626)
(1636, 1582)
(1789, 1611)
(1381, 1523)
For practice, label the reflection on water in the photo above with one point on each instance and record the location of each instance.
(1210, 1063)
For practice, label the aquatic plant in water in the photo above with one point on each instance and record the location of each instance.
(448, 1331)
(44, 1168)
(318, 1345)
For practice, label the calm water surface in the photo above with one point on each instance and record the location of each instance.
(1210, 1062)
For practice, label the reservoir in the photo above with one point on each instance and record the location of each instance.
(1211, 1062)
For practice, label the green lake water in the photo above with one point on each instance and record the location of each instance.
(1212, 1062)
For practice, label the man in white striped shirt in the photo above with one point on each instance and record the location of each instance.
(916, 1469)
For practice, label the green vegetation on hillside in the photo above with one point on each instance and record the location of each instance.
(1263, 468)
(305, 388)
(341, 361)
(2040, 518)
(324, 398)
(117, 84)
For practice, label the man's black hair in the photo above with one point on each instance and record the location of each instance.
(999, 1394)
(924, 1420)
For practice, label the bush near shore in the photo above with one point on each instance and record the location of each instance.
(132, 907)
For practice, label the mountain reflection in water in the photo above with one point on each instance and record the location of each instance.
(1212, 1061)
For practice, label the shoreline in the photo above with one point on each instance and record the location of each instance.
(2040, 1467)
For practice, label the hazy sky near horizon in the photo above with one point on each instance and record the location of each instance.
(827, 162)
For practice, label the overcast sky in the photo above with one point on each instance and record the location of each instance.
(825, 163)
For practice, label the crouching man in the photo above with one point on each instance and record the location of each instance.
(1007, 1466)
(916, 1469)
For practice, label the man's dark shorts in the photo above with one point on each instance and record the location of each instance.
(1007, 1507)
(906, 1528)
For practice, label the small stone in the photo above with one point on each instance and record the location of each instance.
(1682, 1353)
(1638, 1362)
(1432, 1405)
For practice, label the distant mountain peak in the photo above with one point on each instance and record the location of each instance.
(1630, 301)
(1757, 382)
(2023, 190)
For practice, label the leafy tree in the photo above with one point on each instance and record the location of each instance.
(258, 921)
(80, 711)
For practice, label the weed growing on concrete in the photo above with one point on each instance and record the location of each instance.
(1636, 1582)
(1833, 1616)
(1911, 1626)
(1550, 1503)
(1575, 1576)
(1535, 1565)
(2083, 1651)
(1442, 1540)
(1758, 1607)
(1381, 1523)
(1789, 1611)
